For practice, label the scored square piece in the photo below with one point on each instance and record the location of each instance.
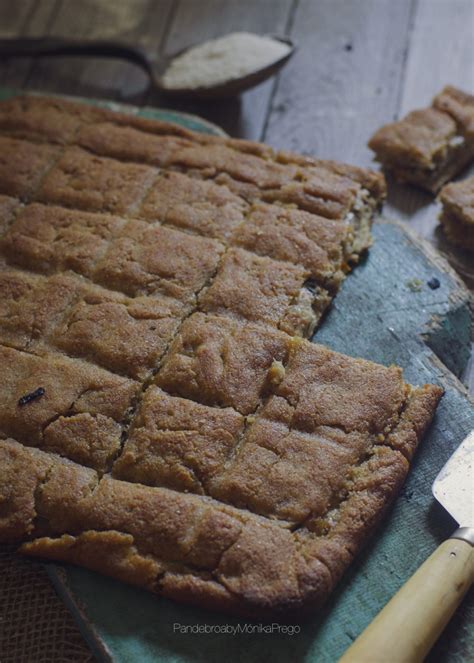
(178, 443)
(260, 289)
(95, 184)
(193, 204)
(149, 259)
(221, 362)
(47, 238)
(79, 409)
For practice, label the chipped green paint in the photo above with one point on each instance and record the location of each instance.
(378, 316)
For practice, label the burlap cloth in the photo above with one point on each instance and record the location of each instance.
(35, 627)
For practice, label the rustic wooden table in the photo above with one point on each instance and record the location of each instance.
(359, 64)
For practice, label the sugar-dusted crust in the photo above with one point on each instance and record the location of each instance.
(430, 146)
(457, 214)
(162, 420)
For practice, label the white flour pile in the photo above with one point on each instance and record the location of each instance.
(220, 60)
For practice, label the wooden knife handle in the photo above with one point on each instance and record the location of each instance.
(408, 626)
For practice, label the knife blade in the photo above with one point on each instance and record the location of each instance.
(409, 625)
(454, 485)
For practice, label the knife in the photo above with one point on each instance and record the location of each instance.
(409, 625)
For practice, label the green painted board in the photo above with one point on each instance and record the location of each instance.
(385, 312)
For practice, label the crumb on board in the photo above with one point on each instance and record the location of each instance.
(415, 285)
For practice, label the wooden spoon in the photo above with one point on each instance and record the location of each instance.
(58, 46)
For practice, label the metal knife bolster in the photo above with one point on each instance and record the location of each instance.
(465, 534)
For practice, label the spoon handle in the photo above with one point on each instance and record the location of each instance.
(51, 46)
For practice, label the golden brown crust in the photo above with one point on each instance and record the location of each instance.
(429, 146)
(71, 315)
(457, 215)
(212, 555)
(417, 411)
(254, 288)
(419, 140)
(101, 323)
(178, 443)
(167, 431)
(8, 206)
(32, 306)
(39, 119)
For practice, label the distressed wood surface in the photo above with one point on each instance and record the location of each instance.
(335, 91)
(359, 64)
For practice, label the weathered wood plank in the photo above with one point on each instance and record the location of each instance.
(138, 21)
(344, 81)
(195, 22)
(441, 51)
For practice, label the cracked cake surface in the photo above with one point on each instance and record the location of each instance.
(164, 418)
(430, 146)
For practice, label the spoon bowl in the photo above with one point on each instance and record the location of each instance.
(57, 46)
(231, 87)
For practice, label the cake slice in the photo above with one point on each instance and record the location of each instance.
(457, 214)
(429, 146)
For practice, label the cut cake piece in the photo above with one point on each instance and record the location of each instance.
(430, 146)
(457, 215)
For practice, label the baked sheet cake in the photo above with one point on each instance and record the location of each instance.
(163, 417)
